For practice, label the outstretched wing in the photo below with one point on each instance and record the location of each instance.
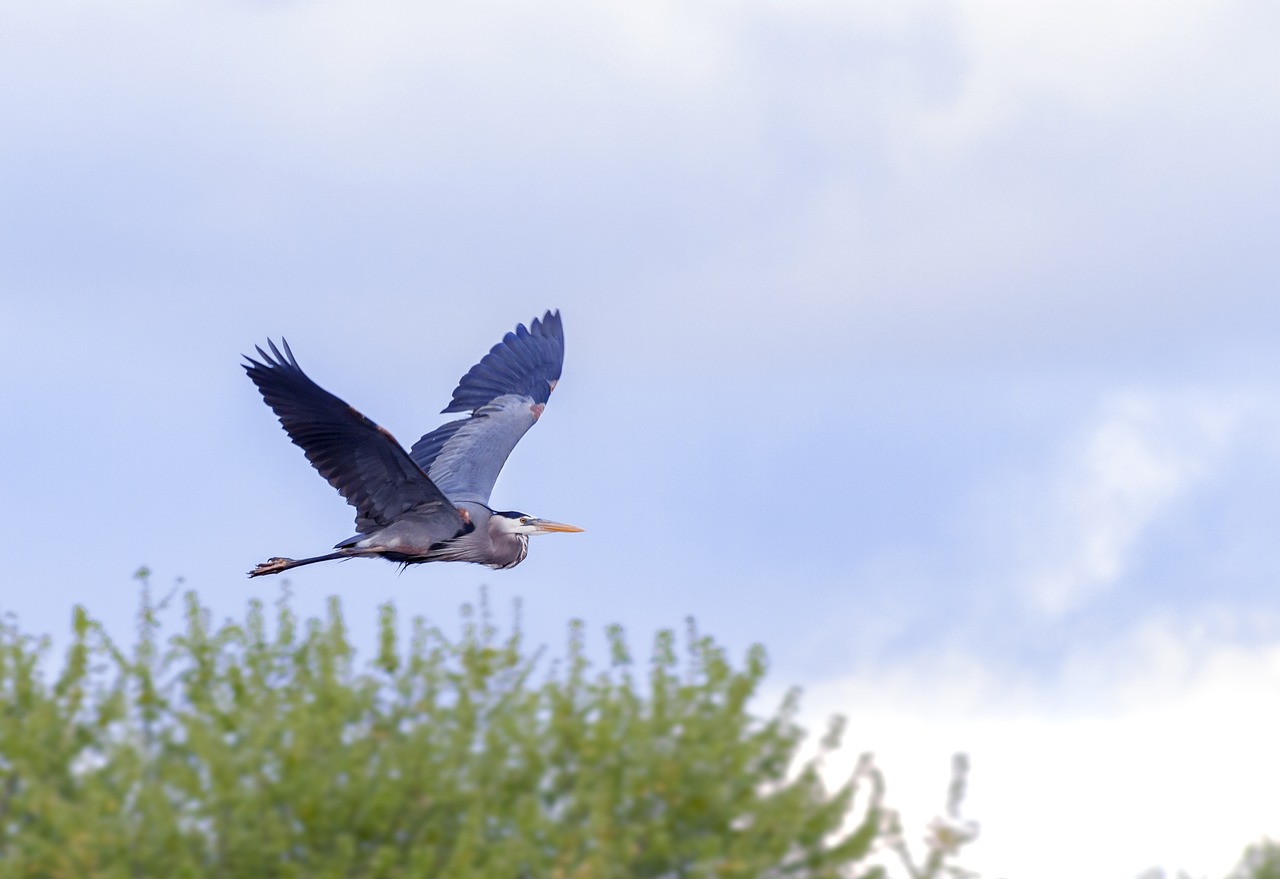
(505, 394)
(358, 458)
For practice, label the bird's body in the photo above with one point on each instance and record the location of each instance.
(432, 503)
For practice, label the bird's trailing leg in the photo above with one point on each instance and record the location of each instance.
(276, 565)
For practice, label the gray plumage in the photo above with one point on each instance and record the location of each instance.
(431, 504)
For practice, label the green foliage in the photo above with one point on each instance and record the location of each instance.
(262, 750)
(1260, 861)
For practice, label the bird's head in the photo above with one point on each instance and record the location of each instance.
(522, 523)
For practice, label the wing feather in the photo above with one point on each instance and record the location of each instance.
(504, 393)
(526, 362)
(357, 457)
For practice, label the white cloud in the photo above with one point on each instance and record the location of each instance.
(814, 150)
(338, 66)
(1166, 756)
(1143, 454)
(1094, 58)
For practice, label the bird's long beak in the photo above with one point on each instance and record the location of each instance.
(546, 526)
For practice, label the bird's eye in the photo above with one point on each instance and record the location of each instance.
(524, 520)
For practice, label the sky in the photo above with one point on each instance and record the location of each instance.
(930, 344)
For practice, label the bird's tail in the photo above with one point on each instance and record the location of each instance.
(277, 564)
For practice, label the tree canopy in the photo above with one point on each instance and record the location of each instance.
(263, 748)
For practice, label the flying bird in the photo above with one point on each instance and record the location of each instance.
(430, 504)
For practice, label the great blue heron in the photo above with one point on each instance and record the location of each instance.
(430, 504)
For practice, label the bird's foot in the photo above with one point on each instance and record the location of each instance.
(272, 565)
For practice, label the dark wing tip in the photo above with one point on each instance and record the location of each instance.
(548, 325)
(274, 360)
(527, 361)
